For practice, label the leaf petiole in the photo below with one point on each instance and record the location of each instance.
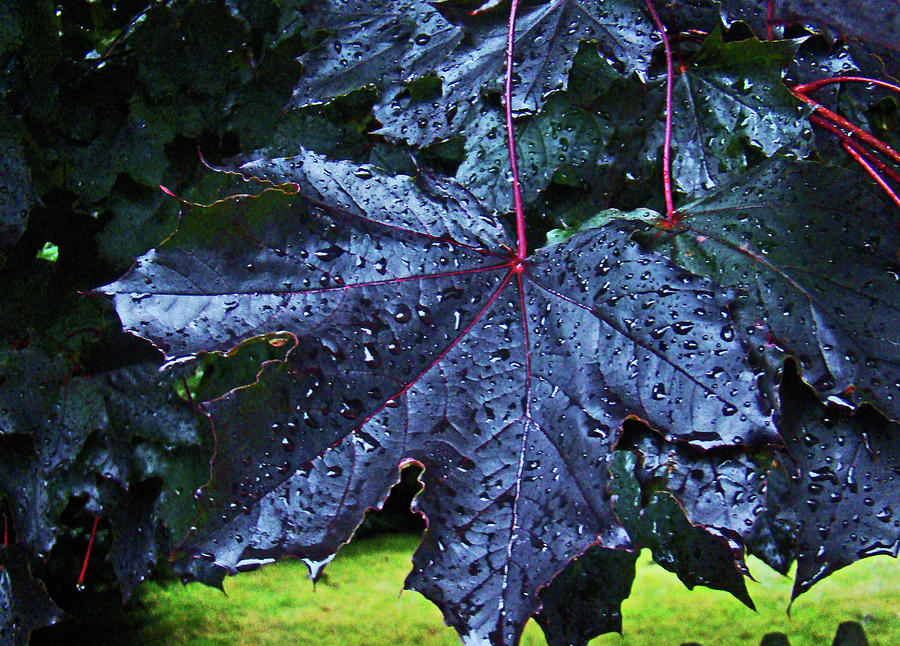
(851, 139)
(521, 248)
(855, 130)
(79, 584)
(671, 214)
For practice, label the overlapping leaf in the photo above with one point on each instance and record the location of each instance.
(25, 605)
(727, 101)
(814, 284)
(838, 501)
(585, 599)
(391, 44)
(421, 338)
(731, 95)
(696, 555)
(102, 438)
(16, 196)
(560, 137)
(876, 22)
(381, 43)
(721, 489)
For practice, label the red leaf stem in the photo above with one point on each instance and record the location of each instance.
(855, 131)
(521, 248)
(862, 161)
(846, 140)
(770, 16)
(812, 86)
(87, 554)
(833, 122)
(671, 216)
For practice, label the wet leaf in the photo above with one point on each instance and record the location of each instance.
(383, 42)
(876, 22)
(415, 41)
(730, 96)
(418, 339)
(102, 438)
(813, 284)
(838, 498)
(25, 605)
(561, 137)
(721, 488)
(698, 555)
(728, 101)
(584, 600)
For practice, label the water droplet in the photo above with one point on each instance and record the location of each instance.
(403, 313)
(329, 253)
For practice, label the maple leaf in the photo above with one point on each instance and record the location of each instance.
(810, 285)
(25, 605)
(415, 41)
(131, 449)
(729, 100)
(825, 498)
(697, 556)
(729, 97)
(584, 600)
(420, 336)
(720, 489)
(805, 287)
(877, 21)
(561, 136)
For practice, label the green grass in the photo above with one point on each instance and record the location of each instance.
(359, 603)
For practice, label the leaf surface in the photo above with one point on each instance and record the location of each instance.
(420, 337)
(728, 100)
(721, 488)
(844, 481)
(695, 554)
(585, 600)
(130, 448)
(876, 22)
(729, 96)
(16, 196)
(414, 41)
(25, 605)
(561, 137)
(813, 285)
(383, 42)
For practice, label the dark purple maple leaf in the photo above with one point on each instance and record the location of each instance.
(392, 44)
(422, 336)
(874, 21)
(837, 486)
(25, 605)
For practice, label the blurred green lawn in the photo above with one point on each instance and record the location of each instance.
(359, 603)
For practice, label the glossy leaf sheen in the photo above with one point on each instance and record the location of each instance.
(389, 44)
(99, 437)
(873, 21)
(728, 99)
(24, 603)
(813, 283)
(721, 489)
(419, 340)
(728, 94)
(696, 555)
(561, 137)
(843, 481)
